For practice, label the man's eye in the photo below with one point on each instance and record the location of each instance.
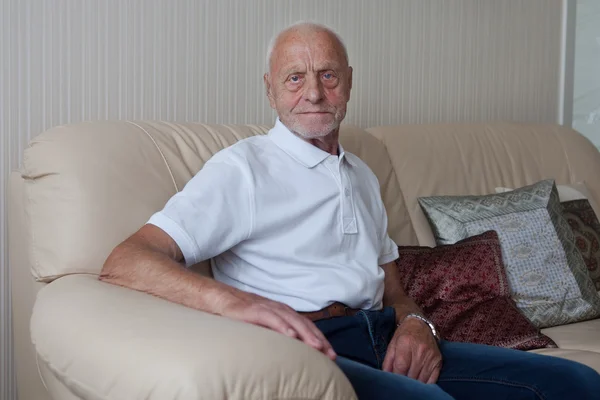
(328, 76)
(295, 78)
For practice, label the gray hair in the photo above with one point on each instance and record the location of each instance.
(302, 25)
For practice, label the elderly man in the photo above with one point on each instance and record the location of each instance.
(297, 233)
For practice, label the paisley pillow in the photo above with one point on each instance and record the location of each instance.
(463, 289)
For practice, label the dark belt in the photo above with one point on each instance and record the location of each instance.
(331, 311)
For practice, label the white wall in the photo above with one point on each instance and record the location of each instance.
(64, 61)
(586, 97)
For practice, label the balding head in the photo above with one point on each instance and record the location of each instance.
(306, 28)
(309, 79)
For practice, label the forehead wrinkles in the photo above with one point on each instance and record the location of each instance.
(303, 57)
(306, 48)
(294, 55)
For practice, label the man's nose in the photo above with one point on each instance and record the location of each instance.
(314, 90)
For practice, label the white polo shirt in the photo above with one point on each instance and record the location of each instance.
(285, 220)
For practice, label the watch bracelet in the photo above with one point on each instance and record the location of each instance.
(427, 322)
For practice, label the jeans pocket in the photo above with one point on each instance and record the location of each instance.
(381, 349)
(385, 331)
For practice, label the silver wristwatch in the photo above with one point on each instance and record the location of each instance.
(434, 331)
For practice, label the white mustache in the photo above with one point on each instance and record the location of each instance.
(315, 111)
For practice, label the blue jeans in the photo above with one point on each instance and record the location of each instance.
(469, 371)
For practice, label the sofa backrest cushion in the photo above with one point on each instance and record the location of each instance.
(89, 186)
(474, 159)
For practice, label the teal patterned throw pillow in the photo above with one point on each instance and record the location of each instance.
(547, 275)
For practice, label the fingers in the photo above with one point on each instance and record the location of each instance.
(413, 361)
(424, 374)
(425, 366)
(275, 322)
(416, 368)
(304, 332)
(327, 348)
(420, 368)
(307, 331)
(402, 361)
(388, 361)
(284, 319)
(435, 374)
(417, 355)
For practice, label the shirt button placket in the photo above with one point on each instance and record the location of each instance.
(348, 216)
(334, 168)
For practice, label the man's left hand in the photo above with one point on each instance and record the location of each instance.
(413, 352)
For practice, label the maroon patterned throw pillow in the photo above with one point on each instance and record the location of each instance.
(464, 290)
(586, 228)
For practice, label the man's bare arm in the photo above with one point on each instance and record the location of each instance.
(150, 261)
(394, 294)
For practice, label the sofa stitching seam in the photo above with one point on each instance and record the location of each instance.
(559, 139)
(29, 225)
(159, 151)
(60, 376)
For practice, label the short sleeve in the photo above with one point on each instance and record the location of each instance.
(213, 213)
(389, 251)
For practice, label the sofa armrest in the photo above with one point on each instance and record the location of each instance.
(107, 342)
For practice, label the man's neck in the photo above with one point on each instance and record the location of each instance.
(328, 143)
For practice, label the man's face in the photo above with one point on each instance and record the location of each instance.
(309, 83)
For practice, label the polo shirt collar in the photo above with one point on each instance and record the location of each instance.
(300, 150)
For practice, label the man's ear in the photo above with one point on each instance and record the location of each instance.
(349, 81)
(267, 80)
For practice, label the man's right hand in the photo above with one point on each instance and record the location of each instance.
(277, 316)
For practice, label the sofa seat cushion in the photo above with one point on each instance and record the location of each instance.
(579, 336)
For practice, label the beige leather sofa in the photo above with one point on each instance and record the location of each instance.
(84, 188)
